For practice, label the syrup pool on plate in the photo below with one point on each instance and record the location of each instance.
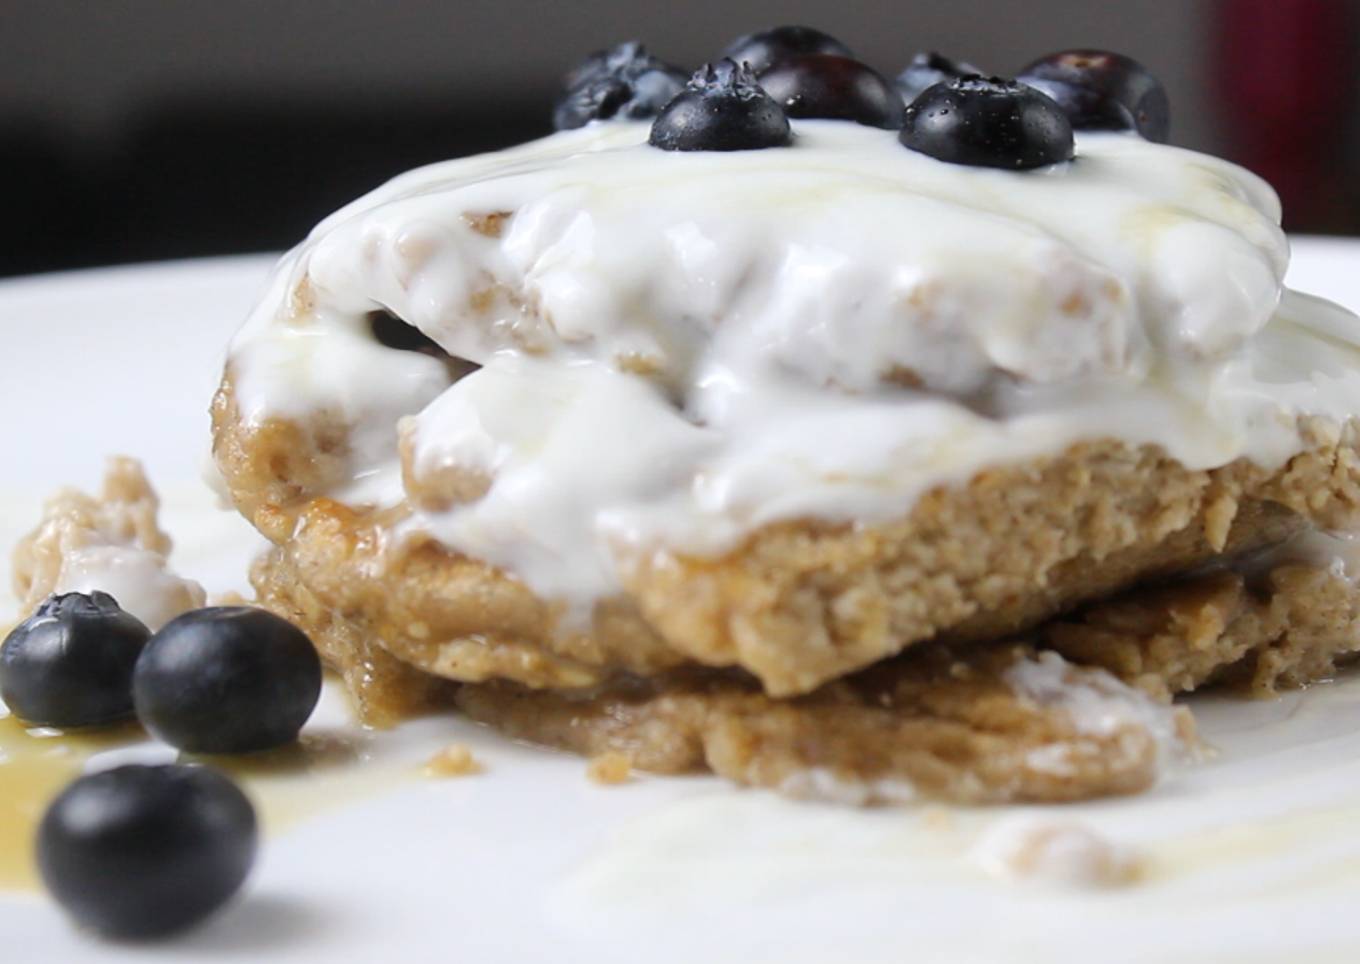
(334, 763)
(35, 763)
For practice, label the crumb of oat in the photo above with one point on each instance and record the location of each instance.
(112, 542)
(455, 760)
(1055, 852)
(610, 768)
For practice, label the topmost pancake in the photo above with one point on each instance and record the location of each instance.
(666, 356)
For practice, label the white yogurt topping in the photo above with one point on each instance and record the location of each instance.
(111, 543)
(139, 579)
(826, 330)
(1053, 852)
(1099, 705)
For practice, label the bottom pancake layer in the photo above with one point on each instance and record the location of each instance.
(1078, 708)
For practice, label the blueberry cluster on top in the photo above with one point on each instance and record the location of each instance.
(812, 74)
(943, 107)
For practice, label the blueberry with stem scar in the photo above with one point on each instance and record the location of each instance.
(721, 109)
(70, 664)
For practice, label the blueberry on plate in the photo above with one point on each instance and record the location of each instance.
(146, 851)
(1100, 90)
(721, 109)
(70, 663)
(227, 679)
(988, 122)
(624, 83)
(928, 69)
(763, 49)
(833, 87)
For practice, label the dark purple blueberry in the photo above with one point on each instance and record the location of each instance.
(622, 83)
(604, 62)
(721, 109)
(928, 69)
(70, 663)
(146, 851)
(227, 679)
(988, 122)
(762, 50)
(1102, 91)
(837, 88)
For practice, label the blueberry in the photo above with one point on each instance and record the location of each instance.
(604, 62)
(228, 679)
(928, 69)
(624, 82)
(70, 663)
(721, 109)
(145, 851)
(830, 86)
(988, 122)
(1099, 90)
(762, 50)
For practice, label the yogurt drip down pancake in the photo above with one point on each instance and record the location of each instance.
(864, 452)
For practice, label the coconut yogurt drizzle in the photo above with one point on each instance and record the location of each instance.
(676, 349)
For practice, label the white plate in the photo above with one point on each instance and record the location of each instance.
(1253, 855)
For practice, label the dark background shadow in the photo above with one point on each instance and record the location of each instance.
(155, 129)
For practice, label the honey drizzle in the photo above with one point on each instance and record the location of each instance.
(35, 764)
(324, 769)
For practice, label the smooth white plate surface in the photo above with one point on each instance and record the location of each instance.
(1253, 855)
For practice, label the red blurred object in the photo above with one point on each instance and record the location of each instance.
(1285, 76)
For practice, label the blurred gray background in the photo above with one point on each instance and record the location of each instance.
(169, 128)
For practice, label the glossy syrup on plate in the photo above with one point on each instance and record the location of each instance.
(35, 763)
(333, 764)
